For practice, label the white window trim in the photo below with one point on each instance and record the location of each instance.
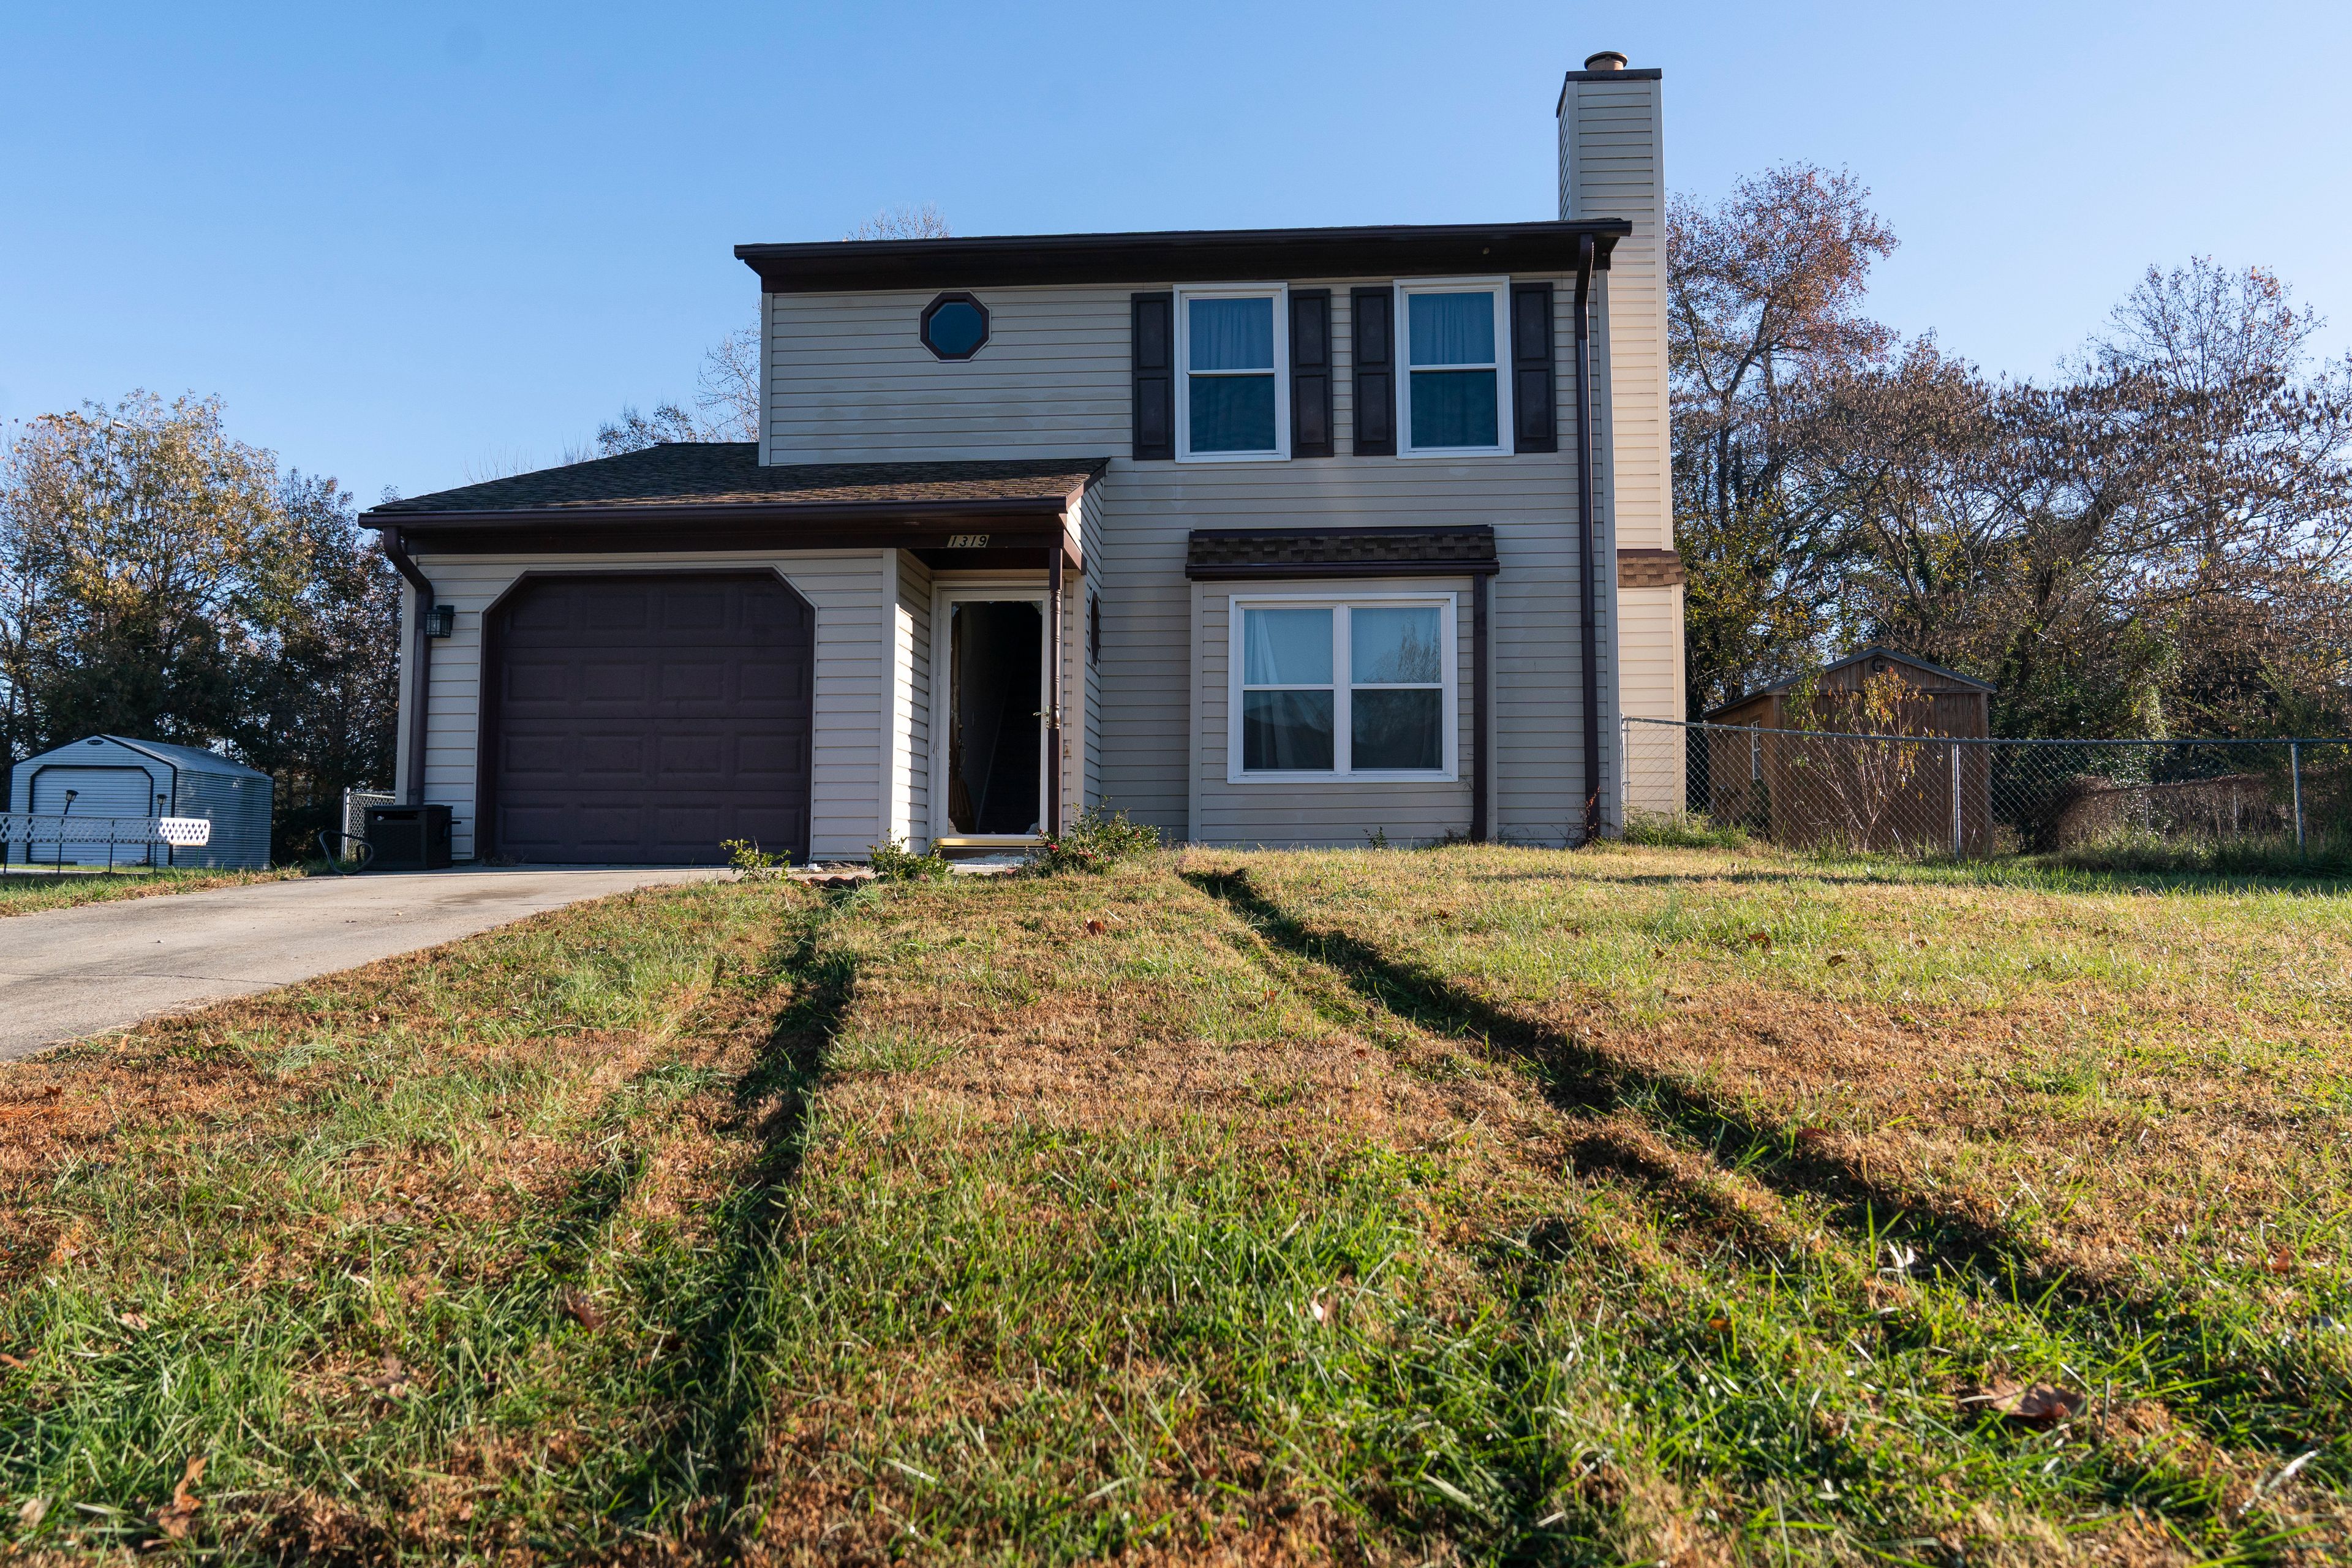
(1280, 294)
(1342, 736)
(1405, 367)
(943, 601)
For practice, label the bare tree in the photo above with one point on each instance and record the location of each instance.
(727, 391)
(1764, 304)
(919, 221)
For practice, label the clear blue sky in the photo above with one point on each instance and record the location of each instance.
(405, 239)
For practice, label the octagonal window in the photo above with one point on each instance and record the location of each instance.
(955, 326)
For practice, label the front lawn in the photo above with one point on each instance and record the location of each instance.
(1473, 1204)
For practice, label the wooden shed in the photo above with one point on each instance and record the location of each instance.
(1799, 777)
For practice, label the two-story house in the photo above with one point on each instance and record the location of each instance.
(1269, 536)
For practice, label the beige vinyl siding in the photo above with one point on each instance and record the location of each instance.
(1344, 811)
(1612, 165)
(853, 666)
(848, 382)
(910, 761)
(1652, 688)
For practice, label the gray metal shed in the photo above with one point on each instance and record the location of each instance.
(111, 775)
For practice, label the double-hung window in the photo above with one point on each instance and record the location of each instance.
(1355, 689)
(1231, 345)
(1454, 399)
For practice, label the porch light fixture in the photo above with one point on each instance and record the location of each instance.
(955, 326)
(441, 621)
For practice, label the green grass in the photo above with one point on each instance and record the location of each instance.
(25, 891)
(2323, 854)
(1474, 1204)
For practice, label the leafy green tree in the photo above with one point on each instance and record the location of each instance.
(162, 580)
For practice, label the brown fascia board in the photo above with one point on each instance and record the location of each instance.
(883, 517)
(649, 529)
(1295, 572)
(1179, 256)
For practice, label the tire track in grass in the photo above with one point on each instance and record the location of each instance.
(690, 1484)
(2231, 1395)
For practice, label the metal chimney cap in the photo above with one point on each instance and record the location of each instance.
(1606, 60)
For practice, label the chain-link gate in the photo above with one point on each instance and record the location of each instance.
(1940, 795)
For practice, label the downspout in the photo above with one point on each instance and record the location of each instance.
(1590, 591)
(1054, 688)
(397, 554)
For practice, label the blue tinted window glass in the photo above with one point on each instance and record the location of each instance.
(956, 329)
(1232, 413)
(1230, 334)
(1286, 731)
(1391, 647)
(1388, 728)
(1453, 408)
(1453, 329)
(1286, 647)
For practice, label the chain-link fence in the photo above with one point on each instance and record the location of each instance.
(1934, 794)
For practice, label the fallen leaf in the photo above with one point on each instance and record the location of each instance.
(392, 1379)
(1315, 1305)
(1762, 939)
(137, 1321)
(8, 1361)
(1721, 1325)
(1095, 928)
(575, 1305)
(1658, 953)
(1836, 959)
(1918, 941)
(2042, 1404)
(175, 1518)
(35, 1510)
(2283, 1261)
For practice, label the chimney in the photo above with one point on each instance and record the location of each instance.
(1611, 164)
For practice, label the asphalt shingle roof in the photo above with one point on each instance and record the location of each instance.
(1216, 553)
(717, 473)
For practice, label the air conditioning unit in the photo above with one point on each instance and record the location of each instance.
(408, 838)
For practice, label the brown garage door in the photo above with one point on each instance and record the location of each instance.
(643, 720)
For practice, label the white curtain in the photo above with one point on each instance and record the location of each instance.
(1453, 329)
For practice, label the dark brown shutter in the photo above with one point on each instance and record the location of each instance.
(1153, 352)
(1310, 373)
(1374, 316)
(1535, 411)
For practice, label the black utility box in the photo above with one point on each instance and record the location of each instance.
(408, 838)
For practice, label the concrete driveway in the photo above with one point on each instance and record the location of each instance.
(67, 973)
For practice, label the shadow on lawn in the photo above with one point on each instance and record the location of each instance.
(695, 1479)
(1579, 1078)
(2236, 1389)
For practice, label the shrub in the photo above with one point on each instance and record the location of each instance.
(1682, 830)
(754, 864)
(893, 862)
(1097, 841)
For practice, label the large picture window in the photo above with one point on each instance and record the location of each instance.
(1235, 403)
(1453, 398)
(1359, 689)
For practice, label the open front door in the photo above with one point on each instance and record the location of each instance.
(991, 770)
